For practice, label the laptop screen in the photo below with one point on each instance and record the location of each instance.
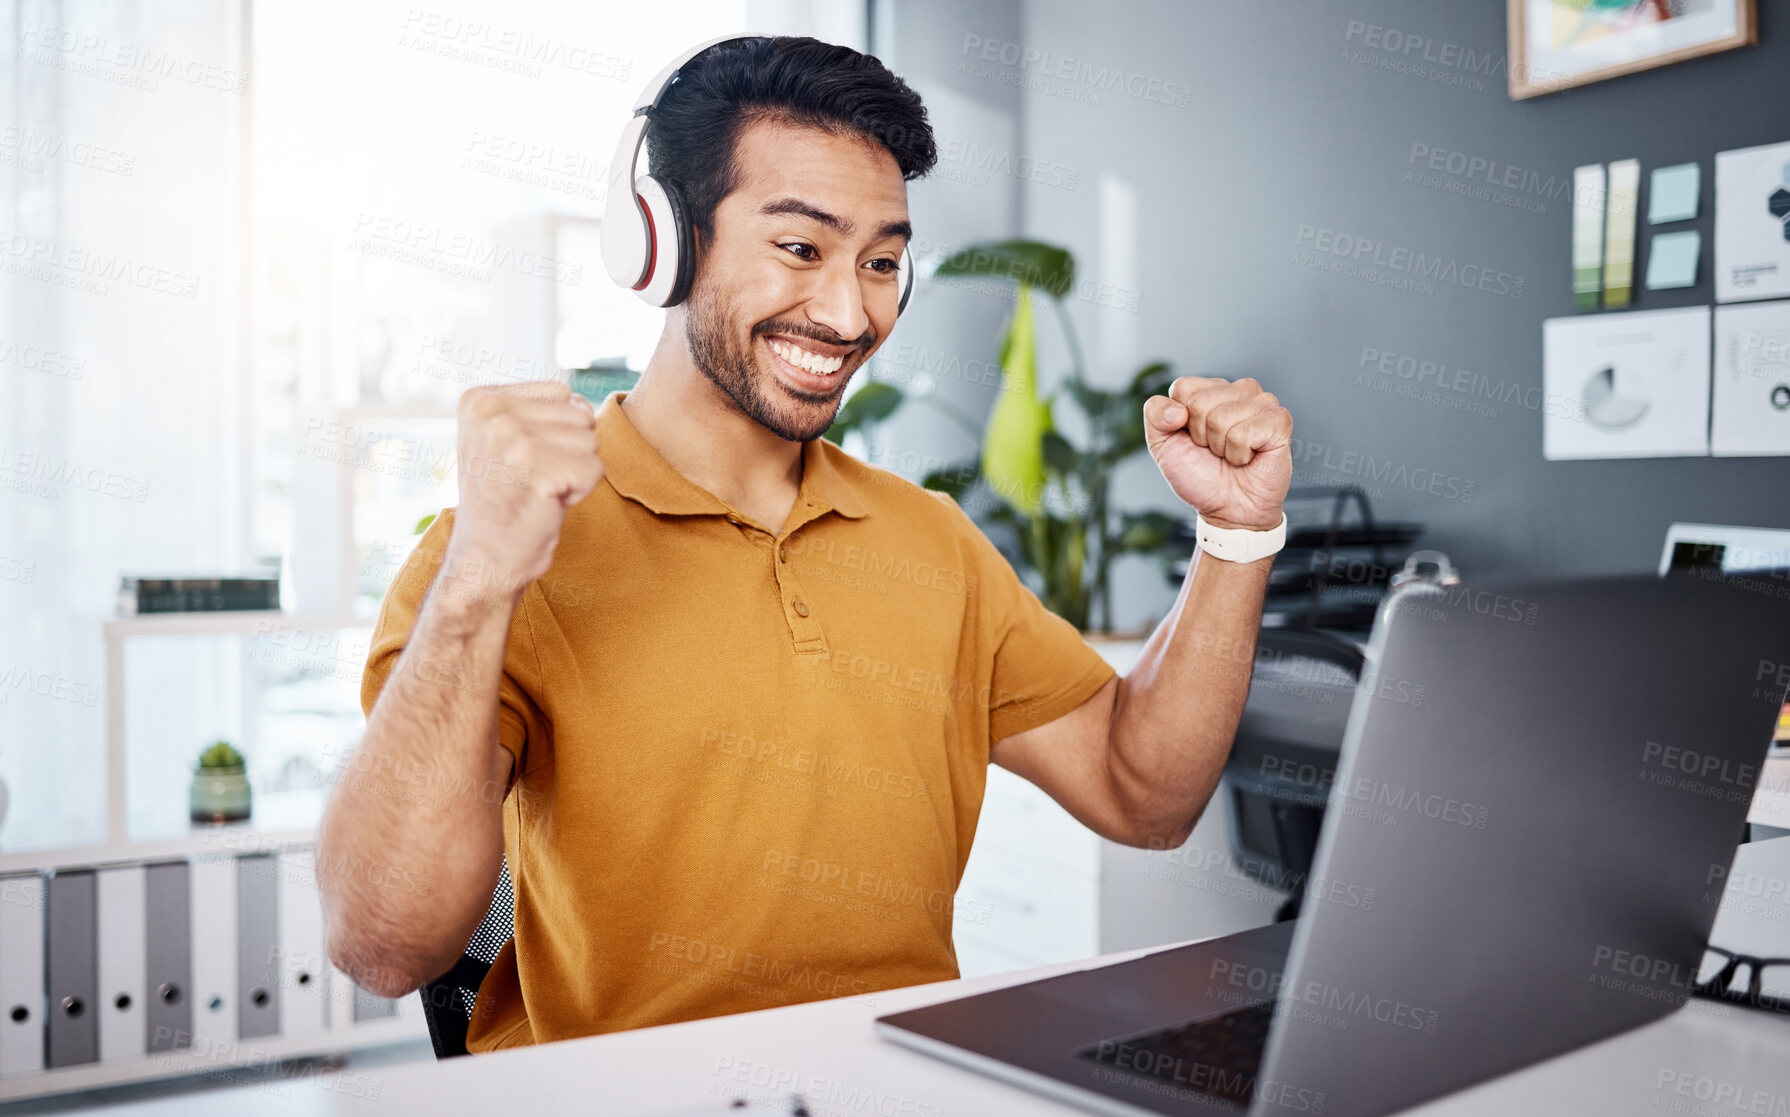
(1688, 555)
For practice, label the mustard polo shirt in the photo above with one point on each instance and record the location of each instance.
(750, 762)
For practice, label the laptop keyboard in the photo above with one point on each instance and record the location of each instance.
(1217, 1056)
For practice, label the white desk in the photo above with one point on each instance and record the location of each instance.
(1771, 800)
(828, 1051)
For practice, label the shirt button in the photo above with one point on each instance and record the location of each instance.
(782, 552)
(801, 608)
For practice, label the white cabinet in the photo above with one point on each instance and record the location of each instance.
(1041, 888)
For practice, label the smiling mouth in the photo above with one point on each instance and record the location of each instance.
(804, 363)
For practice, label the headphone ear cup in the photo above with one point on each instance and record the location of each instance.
(626, 232)
(668, 271)
(685, 265)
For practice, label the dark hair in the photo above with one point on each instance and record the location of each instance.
(694, 133)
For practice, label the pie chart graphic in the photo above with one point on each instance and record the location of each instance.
(1604, 408)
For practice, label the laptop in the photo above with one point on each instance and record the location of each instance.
(1538, 783)
(1758, 552)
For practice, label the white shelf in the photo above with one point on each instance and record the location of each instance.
(247, 1055)
(116, 629)
(234, 622)
(281, 819)
(219, 839)
(400, 412)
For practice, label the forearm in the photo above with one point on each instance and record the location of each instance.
(1177, 708)
(412, 840)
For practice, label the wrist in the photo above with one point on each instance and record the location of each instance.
(1241, 544)
(461, 611)
(1224, 524)
(471, 586)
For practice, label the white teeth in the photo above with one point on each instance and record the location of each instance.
(802, 358)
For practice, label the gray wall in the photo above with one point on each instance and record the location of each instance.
(943, 330)
(1291, 120)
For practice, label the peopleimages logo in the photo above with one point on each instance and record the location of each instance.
(1705, 766)
(1717, 1095)
(1068, 73)
(1458, 388)
(760, 968)
(1206, 1078)
(805, 761)
(1362, 252)
(1700, 773)
(1382, 802)
(1317, 457)
(1340, 1006)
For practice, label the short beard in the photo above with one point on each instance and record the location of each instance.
(735, 372)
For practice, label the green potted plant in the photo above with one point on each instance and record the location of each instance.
(1055, 496)
(220, 789)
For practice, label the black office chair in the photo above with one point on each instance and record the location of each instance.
(448, 1001)
(1283, 758)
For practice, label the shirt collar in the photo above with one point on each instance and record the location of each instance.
(640, 473)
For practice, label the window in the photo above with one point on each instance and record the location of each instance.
(250, 255)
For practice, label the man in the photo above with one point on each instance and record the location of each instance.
(722, 695)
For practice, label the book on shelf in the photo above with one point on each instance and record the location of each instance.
(139, 594)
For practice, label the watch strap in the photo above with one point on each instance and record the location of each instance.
(1238, 544)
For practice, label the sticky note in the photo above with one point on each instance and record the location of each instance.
(1587, 236)
(1619, 232)
(1674, 194)
(1672, 260)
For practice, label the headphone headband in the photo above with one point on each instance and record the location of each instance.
(655, 89)
(645, 235)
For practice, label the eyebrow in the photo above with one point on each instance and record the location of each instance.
(841, 225)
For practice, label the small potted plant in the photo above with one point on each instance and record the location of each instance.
(220, 791)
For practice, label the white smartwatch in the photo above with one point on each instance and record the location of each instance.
(1236, 544)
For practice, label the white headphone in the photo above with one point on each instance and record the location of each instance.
(647, 244)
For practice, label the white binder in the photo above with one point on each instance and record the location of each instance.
(212, 893)
(21, 974)
(342, 995)
(122, 964)
(303, 968)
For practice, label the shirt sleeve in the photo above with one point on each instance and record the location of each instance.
(522, 728)
(1042, 667)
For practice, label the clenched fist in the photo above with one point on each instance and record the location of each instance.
(528, 453)
(1225, 447)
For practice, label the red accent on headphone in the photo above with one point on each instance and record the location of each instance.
(652, 246)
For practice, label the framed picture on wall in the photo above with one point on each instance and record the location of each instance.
(1557, 44)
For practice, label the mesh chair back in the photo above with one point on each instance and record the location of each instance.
(1283, 758)
(449, 1000)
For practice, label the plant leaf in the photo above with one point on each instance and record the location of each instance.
(1058, 454)
(872, 403)
(1128, 411)
(1045, 266)
(955, 481)
(1012, 448)
(1152, 380)
(1092, 401)
(1143, 532)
